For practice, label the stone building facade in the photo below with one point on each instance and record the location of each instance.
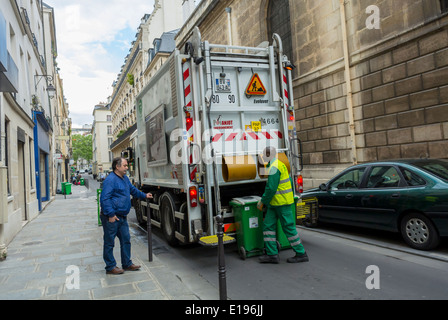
(371, 81)
(30, 117)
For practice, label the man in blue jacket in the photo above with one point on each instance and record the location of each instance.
(115, 205)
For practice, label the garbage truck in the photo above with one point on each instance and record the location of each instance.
(203, 121)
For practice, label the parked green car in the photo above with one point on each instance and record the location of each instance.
(406, 196)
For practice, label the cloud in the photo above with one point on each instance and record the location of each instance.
(93, 38)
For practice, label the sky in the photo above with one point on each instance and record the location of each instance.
(93, 39)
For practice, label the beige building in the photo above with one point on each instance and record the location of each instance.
(101, 139)
(60, 143)
(167, 16)
(26, 114)
(371, 79)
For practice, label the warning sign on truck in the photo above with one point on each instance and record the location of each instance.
(255, 87)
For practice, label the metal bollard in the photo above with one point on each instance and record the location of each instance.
(148, 227)
(221, 259)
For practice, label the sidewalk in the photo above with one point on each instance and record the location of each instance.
(66, 234)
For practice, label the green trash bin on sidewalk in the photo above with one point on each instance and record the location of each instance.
(249, 226)
(66, 188)
(81, 181)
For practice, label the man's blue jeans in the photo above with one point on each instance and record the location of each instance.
(118, 229)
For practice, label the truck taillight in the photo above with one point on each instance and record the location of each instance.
(193, 197)
(299, 184)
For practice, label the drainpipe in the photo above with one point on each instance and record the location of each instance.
(348, 82)
(229, 22)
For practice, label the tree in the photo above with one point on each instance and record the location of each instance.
(82, 147)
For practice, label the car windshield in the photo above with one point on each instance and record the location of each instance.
(438, 168)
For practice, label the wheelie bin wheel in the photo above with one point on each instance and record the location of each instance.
(243, 253)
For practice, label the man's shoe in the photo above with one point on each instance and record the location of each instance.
(115, 270)
(132, 267)
(298, 258)
(269, 259)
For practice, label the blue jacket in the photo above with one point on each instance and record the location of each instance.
(116, 195)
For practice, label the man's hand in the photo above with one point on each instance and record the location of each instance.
(260, 205)
(148, 196)
(113, 219)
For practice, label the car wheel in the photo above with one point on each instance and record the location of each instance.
(419, 232)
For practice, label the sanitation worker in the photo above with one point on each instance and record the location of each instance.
(115, 205)
(278, 197)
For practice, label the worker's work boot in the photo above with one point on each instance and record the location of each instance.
(298, 258)
(269, 259)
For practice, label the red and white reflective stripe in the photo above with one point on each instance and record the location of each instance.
(286, 93)
(249, 135)
(187, 85)
(189, 103)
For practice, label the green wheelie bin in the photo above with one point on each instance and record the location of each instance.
(249, 226)
(66, 188)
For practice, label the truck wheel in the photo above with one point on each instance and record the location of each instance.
(167, 209)
(138, 211)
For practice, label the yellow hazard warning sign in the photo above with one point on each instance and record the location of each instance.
(255, 87)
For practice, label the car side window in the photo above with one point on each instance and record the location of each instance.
(349, 180)
(383, 177)
(411, 178)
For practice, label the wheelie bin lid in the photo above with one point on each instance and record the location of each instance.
(244, 200)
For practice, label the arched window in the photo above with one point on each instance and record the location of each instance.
(279, 22)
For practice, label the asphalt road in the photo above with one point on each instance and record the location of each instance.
(341, 260)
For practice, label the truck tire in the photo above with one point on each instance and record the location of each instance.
(167, 209)
(138, 211)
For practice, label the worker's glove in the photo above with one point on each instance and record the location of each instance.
(260, 205)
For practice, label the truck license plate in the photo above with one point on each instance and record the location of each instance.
(223, 85)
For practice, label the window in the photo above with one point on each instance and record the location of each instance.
(412, 179)
(109, 129)
(279, 22)
(156, 141)
(109, 117)
(32, 175)
(383, 177)
(438, 168)
(7, 156)
(444, 6)
(349, 180)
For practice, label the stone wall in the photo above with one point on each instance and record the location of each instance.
(398, 76)
(399, 81)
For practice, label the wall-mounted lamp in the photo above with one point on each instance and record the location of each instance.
(51, 90)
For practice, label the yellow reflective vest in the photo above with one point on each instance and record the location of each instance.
(284, 194)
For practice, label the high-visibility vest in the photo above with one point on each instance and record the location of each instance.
(284, 195)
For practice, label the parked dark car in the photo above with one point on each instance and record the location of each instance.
(406, 196)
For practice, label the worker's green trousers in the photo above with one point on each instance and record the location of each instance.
(288, 225)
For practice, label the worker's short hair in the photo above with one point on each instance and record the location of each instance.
(116, 162)
(270, 153)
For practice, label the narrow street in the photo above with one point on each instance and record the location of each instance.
(339, 257)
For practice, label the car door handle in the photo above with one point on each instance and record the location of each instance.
(349, 196)
(395, 195)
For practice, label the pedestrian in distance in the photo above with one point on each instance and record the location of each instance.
(278, 197)
(115, 206)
